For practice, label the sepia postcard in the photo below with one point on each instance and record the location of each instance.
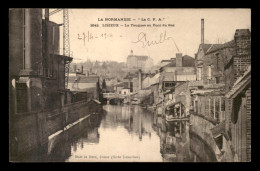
(129, 85)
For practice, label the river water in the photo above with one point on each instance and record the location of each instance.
(123, 133)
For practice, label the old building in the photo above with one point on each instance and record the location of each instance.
(36, 77)
(166, 61)
(221, 103)
(150, 79)
(238, 97)
(133, 82)
(37, 71)
(81, 83)
(139, 62)
(173, 75)
(119, 87)
(179, 70)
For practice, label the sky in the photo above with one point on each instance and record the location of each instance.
(115, 43)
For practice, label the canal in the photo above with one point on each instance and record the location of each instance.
(124, 133)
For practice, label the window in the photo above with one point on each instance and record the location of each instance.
(124, 92)
(168, 84)
(209, 72)
(199, 73)
(131, 86)
(196, 107)
(217, 80)
(119, 92)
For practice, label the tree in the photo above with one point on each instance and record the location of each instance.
(104, 86)
(104, 65)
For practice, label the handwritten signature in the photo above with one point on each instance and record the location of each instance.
(143, 39)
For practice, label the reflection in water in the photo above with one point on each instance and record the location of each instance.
(123, 133)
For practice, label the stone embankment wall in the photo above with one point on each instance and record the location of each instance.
(31, 130)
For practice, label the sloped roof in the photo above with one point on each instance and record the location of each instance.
(130, 76)
(216, 47)
(141, 58)
(123, 84)
(240, 84)
(166, 60)
(205, 47)
(187, 61)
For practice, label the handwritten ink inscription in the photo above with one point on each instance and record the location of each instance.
(142, 38)
(90, 36)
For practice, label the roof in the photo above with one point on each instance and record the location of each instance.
(205, 47)
(155, 84)
(187, 61)
(216, 47)
(240, 84)
(141, 58)
(123, 84)
(84, 79)
(130, 76)
(166, 60)
(66, 58)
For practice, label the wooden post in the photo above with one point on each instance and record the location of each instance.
(214, 108)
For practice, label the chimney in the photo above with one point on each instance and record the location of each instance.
(243, 41)
(202, 31)
(178, 59)
(81, 69)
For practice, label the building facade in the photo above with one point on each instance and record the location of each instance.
(139, 62)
